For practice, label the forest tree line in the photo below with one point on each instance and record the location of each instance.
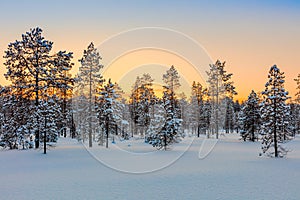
(44, 101)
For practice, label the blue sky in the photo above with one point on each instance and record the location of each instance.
(250, 35)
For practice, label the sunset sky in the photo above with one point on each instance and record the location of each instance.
(250, 36)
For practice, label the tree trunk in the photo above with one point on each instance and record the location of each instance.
(90, 110)
(275, 143)
(106, 129)
(217, 110)
(275, 128)
(165, 138)
(45, 134)
(37, 133)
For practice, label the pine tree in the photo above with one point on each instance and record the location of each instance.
(298, 89)
(63, 82)
(219, 86)
(295, 110)
(27, 63)
(34, 73)
(89, 76)
(237, 109)
(119, 109)
(229, 115)
(197, 101)
(80, 107)
(49, 116)
(107, 98)
(274, 114)
(157, 122)
(141, 100)
(120, 115)
(251, 118)
(133, 104)
(124, 115)
(10, 135)
(184, 113)
(294, 120)
(15, 114)
(170, 132)
(2, 110)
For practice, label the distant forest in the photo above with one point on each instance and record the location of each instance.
(44, 101)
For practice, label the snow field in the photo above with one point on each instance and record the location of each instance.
(233, 170)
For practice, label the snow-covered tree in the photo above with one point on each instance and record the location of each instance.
(229, 115)
(119, 124)
(133, 104)
(119, 108)
(298, 89)
(250, 118)
(184, 110)
(219, 86)
(10, 136)
(294, 119)
(295, 110)
(170, 132)
(62, 82)
(274, 114)
(157, 122)
(80, 107)
(141, 100)
(105, 110)
(124, 116)
(49, 115)
(14, 114)
(89, 76)
(27, 62)
(197, 107)
(2, 110)
(34, 74)
(237, 109)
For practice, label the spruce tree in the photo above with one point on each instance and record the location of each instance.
(63, 83)
(296, 108)
(237, 109)
(27, 63)
(219, 86)
(274, 114)
(297, 99)
(251, 118)
(157, 122)
(12, 129)
(294, 119)
(171, 130)
(184, 113)
(197, 101)
(141, 100)
(120, 111)
(49, 115)
(107, 98)
(89, 76)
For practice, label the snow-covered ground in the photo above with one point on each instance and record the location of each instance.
(233, 170)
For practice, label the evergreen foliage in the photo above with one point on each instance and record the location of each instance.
(274, 114)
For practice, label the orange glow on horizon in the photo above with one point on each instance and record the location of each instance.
(249, 64)
(126, 68)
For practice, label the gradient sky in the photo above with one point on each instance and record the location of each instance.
(250, 36)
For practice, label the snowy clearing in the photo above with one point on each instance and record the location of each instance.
(233, 170)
